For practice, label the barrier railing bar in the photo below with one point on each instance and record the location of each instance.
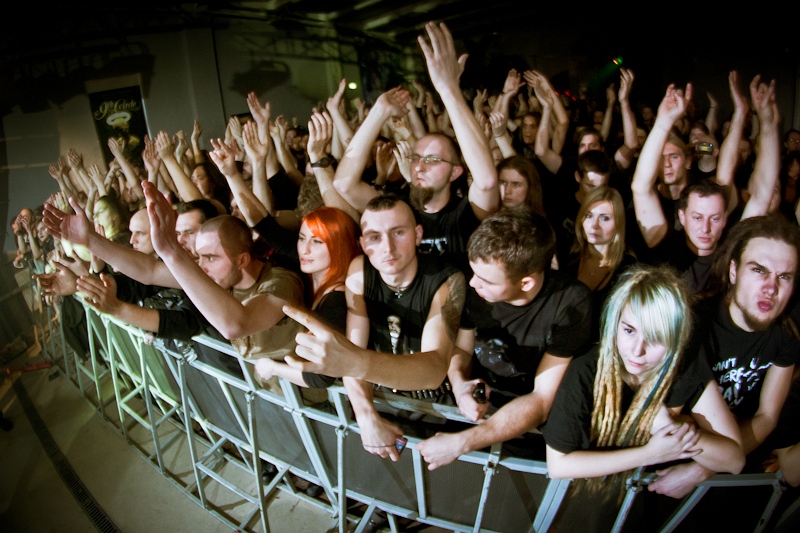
(262, 507)
(419, 479)
(489, 470)
(551, 501)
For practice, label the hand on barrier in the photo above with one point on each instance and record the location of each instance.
(442, 449)
(467, 402)
(679, 480)
(379, 436)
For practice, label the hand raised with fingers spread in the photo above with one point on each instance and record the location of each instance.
(255, 149)
(513, 83)
(74, 228)
(100, 292)
(320, 133)
(444, 67)
(394, 100)
(62, 282)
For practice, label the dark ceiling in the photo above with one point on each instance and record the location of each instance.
(655, 43)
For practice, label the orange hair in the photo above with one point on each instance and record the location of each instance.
(339, 232)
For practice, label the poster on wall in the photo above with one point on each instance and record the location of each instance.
(119, 114)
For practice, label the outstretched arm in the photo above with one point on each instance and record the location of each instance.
(512, 420)
(187, 191)
(624, 154)
(729, 150)
(320, 132)
(347, 179)
(547, 155)
(649, 214)
(232, 318)
(224, 157)
(768, 163)
(334, 106)
(78, 230)
(445, 69)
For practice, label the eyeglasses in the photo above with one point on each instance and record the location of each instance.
(428, 159)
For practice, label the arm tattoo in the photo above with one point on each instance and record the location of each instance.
(453, 305)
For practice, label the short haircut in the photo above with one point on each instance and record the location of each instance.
(234, 235)
(775, 227)
(703, 188)
(594, 161)
(521, 240)
(454, 148)
(206, 208)
(384, 202)
(789, 132)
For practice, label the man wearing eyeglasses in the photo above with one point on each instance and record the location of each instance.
(446, 218)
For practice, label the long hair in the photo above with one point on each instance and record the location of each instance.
(528, 171)
(339, 232)
(657, 297)
(616, 249)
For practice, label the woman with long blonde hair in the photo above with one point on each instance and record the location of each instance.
(617, 407)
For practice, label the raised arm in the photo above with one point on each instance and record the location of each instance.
(711, 117)
(232, 318)
(187, 191)
(131, 178)
(768, 163)
(347, 179)
(729, 149)
(444, 69)
(624, 154)
(224, 157)
(649, 215)
(608, 116)
(320, 132)
(549, 157)
(78, 230)
(285, 157)
(334, 106)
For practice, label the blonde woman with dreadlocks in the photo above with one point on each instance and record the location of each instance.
(612, 412)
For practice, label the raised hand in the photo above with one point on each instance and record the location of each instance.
(764, 104)
(162, 222)
(164, 146)
(402, 152)
(675, 103)
(75, 159)
(197, 130)
(224, 156)
(384, 160)
(74, 228)
(625, 84)
(150, 156)
(62, 282)
(335, 102)
(499, 123)
(394, 100)
(235, 128)
(611, 95)
(513, 83)
(116, 147)
(444, 68)
(320, 133)
(256, 149)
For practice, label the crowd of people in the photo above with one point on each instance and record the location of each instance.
(608, 287)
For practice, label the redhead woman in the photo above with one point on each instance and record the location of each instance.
(326, 244)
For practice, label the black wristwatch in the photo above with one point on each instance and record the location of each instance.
(323, 163)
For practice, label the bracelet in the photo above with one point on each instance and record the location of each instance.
(384, 446)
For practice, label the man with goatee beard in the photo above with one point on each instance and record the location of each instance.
(447, 220)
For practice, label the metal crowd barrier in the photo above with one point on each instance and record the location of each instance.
(230, 423)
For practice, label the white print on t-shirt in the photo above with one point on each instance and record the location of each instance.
(439, 243)
(739, 379)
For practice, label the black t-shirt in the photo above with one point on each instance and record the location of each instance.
(561, 212)
(674, 251)
(739, 359)
(570, 420)
(510, 340)
(445, 233)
